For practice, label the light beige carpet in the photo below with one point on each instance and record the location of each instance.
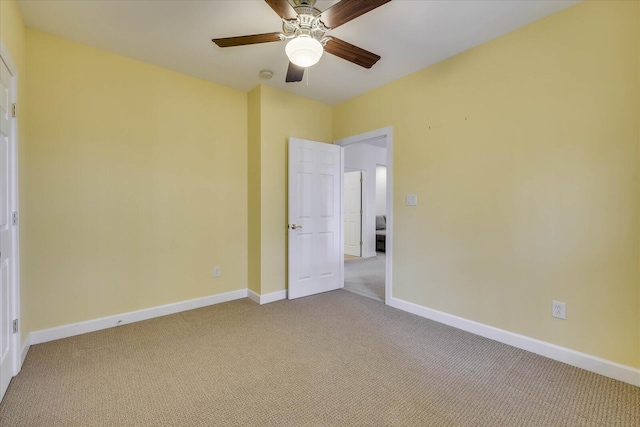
(336, 359)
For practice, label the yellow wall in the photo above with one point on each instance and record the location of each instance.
(136, 184)
(282, 115)
(524, 155)
(13, 36)
(254, 173)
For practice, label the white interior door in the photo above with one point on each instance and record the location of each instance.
(353, 213)
(6, 238)
(315, 234)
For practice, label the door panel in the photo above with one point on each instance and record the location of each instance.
(4, 312)
(314, 203)
(352, 213)
(6, 229)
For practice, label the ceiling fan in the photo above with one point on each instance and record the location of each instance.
(305, 28)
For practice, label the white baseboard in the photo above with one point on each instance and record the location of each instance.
(65, 331)
(267, 298)
(272, 297)
(585, 361)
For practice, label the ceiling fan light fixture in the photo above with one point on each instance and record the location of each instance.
(304, 51)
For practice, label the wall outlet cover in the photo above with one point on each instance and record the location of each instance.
(558, 309)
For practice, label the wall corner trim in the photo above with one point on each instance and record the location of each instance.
(585, 361)
(65, 331)
(267, 298)
(255, 297)
(25, 349)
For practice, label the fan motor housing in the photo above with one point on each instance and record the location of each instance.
(297, 3)
(307, 21)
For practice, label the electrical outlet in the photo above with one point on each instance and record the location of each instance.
(216, 271)
(559, 310)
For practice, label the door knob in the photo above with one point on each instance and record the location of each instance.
(293, 226)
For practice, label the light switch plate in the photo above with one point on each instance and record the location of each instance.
(412, 200)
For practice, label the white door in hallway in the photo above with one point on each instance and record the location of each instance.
(315, 224)
(353, 213)
(6, 238)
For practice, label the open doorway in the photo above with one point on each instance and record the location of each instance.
(369, 274)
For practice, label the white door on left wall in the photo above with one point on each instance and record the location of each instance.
(7, 129)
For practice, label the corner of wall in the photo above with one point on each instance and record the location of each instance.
(638, 139)
(253, 187)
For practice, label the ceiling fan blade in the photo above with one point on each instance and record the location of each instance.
(294, 73)
(352, 53)
(283, 9)
(244, 40)
(346, 10)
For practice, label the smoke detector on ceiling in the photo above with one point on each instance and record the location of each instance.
(266, 74)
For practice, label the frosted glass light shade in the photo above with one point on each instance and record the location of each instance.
(304, 51)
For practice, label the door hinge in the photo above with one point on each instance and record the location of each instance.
(361, 243)
(14, 110)
(361, 212)
(361, 180)
(15, 326)
(14, 218)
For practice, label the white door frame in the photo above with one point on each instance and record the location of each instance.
(386, 133)
(14, 202)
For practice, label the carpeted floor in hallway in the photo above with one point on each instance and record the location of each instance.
(366, 276)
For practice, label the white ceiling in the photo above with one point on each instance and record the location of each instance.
(408, 34)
